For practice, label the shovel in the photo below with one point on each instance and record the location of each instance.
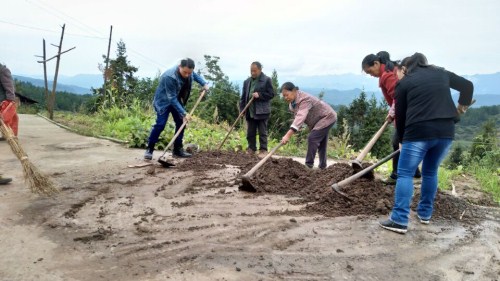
(246, 185)
(163, 160)
(337, 186)
(356, 163)
(235, 122)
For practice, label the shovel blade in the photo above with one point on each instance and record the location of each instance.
(164, 163)
(246, 185)
(356, 166)
(336, 189)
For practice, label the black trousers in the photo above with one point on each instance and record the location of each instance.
(254, 125)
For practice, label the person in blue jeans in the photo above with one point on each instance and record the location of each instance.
(171, 97)
(426, 117)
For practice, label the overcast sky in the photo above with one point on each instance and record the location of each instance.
(297, 38)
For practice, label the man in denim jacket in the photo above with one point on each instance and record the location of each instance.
(171, 96)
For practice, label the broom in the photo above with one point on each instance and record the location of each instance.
(37, 182)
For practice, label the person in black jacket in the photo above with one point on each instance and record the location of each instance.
(260, 87)
(426, 117)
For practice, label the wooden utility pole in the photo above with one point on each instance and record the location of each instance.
(52, 98)
(105, 72)
(44, 57)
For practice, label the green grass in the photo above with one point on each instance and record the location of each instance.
(134, 124)
(490, 182)
(446, 177)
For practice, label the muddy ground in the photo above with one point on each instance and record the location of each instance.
(192, 222)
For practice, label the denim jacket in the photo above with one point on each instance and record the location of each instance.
(168, 90)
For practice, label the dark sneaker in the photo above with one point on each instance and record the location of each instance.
(250, 151)
(392, 226)
(424, 221)
(181, 153)
(148, 155)
(4, 180)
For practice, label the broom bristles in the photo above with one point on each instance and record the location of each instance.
(37, 182)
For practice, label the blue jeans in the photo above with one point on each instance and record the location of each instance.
(161, 121)
(431, 152)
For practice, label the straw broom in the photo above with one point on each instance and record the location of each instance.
(37, 182)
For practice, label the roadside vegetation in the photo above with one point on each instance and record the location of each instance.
(124, 112)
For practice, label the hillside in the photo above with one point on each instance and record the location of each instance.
(60, 87)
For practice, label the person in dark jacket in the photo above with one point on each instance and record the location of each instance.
(171, 97)
(382, 67)
(260, 87)
(426, 115)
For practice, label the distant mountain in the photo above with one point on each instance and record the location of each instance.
(339, 82)
(486, 84)
(339, 89)
(339, 97)
(81, 80)
(60, 87)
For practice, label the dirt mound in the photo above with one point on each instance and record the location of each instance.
(213, 160)
(288, 177)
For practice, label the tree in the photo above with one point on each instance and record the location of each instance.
(455, 158)
(120, 80)
(364, 118)
(222, 100)
(486, 141)
(279, 121)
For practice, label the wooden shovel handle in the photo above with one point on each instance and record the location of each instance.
(261, 162)
(372, 142)
(235, 122)
(184, 123)
(364, 171)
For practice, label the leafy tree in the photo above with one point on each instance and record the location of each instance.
(279, 121)
(64, 100)
(221, 103)
(485, 142)
(455, 158)
(364, 118)
(120, 81)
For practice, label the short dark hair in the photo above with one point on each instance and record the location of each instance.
(187, 62)
(289, 86)
(257, 64)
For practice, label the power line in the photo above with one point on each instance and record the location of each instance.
(52, 10)
(48, 30)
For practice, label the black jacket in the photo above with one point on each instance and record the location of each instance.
(424, 106)
(264, 87)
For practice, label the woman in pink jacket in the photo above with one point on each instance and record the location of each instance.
(316, 114)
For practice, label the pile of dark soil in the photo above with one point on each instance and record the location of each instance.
(288, 177)
(213, 160)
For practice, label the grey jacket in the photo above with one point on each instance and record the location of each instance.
(7, 88)
(264, 87)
